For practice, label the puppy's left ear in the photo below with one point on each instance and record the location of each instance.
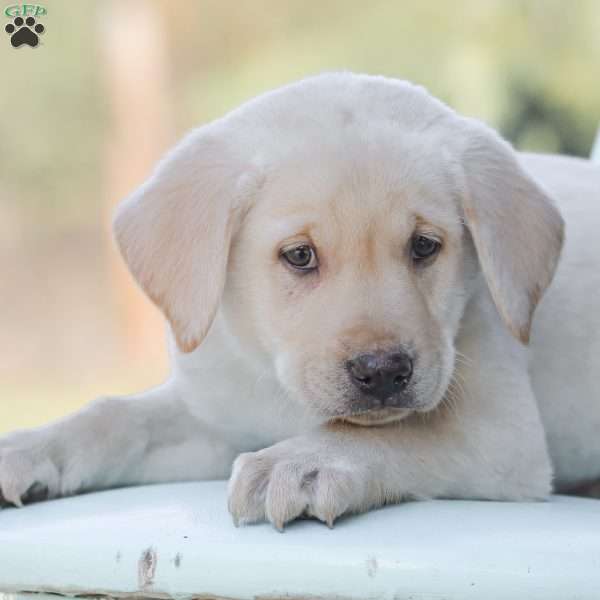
(517, 230)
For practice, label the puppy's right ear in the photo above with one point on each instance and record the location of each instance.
(174, 232)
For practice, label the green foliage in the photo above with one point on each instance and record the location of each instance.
(530, 68)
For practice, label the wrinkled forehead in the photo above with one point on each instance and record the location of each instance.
(358, 182)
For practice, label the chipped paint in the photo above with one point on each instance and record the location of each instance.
(39, 594)
(147, 568)
(372, 566)
(177, 560)
(52, 592)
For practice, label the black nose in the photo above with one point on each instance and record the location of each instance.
(381, 374)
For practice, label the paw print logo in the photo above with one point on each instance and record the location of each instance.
(24, 32)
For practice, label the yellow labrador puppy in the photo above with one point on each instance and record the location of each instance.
(349, 270)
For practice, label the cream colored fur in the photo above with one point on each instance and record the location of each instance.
(355, 166)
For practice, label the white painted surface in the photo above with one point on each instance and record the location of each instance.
(178, 539)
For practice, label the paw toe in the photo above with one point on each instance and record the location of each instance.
(23, 479)
(332, 494)
(287, 497)
(247, 488)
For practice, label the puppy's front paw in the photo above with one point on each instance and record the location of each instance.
(27, 472)
(279, 484)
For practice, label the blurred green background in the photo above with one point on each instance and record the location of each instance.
(84, 116)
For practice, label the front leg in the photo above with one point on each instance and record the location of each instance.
(144, 438)
(488, 443)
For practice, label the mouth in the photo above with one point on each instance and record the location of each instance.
(375, 416)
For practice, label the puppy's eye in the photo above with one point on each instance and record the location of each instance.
(423, 247)
(302, 257)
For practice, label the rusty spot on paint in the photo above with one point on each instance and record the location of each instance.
(147, 568)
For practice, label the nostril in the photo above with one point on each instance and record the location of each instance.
(406, 369)
(400, 380)
(361, 372)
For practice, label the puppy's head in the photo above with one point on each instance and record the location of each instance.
(340, 224)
